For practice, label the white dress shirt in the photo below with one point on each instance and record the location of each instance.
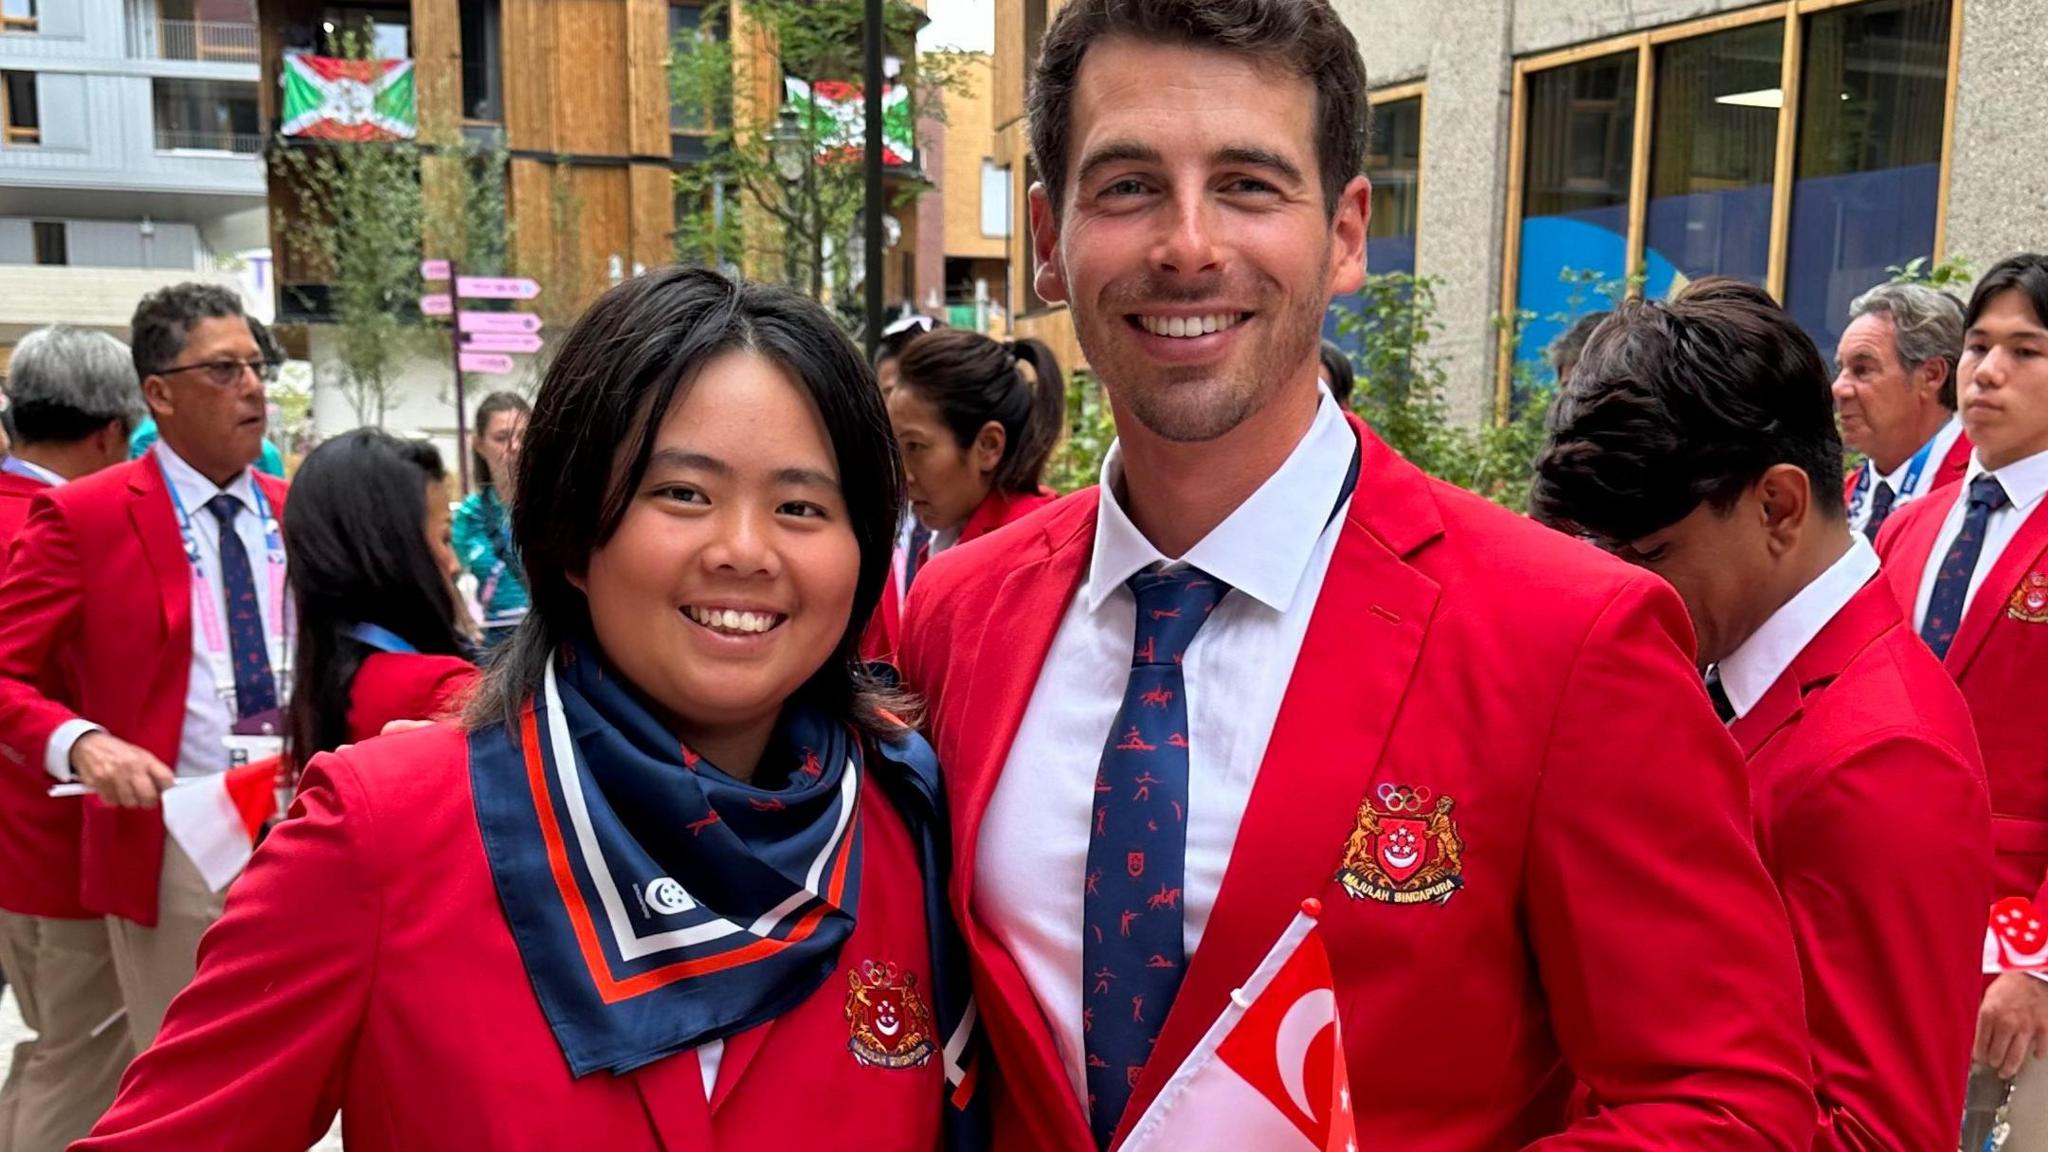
(201, 746)
(2025, 482)
(37, 471)
(1273, 551)
(1757, 662)
(1903, 493)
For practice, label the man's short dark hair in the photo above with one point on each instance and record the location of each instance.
(165, 318)
(1675, 405)
(2026, 273)
(67, 383)
(1305, 37)
(1568, 347)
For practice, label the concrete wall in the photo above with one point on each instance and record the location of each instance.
(1544, 25)
(1998, 185)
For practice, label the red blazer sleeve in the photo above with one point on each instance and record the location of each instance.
(1673, 985)
(254, 1052)
(406, 686)
(41, 597)
(1886, 870)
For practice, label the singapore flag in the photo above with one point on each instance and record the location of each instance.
(1269, 1075)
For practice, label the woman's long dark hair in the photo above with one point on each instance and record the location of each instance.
(972, 380)
(604, 397)
(356, 531)
(494, 405)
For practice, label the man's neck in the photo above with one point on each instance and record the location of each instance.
(1820, 551)
(70, 461)
(1178, 493)
(1931, 423)
(216, 474)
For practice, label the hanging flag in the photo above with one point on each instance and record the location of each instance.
(355, 100)
(215, 818)
(1270, 1072)
(836, 111)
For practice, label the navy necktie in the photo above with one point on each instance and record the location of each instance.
(1718, 693)
(1952, 581)
(919, 551)
(1132, 950)
(1881, 500)
(255, 688)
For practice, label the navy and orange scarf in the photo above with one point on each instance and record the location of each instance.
(659, 904)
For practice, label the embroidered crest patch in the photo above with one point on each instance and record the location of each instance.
(888, 1022)
(1405, 848)
(2030, 600)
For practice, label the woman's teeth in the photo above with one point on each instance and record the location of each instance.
(1184, 326)
(731, 620)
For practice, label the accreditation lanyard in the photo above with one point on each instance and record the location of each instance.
(1908, 484)
(379, 637)
(206, 598)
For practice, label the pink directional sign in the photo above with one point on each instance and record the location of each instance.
(496, 288)
(433, 269)
(490, 363)
(501, 342)
(437, 304)
(504, 323)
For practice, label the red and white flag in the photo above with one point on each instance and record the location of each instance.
(1269, 1075)
(215, 818)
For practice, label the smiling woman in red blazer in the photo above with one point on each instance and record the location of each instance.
(977, 420)
(673, 882)
(371, 579)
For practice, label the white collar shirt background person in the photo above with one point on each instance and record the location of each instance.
(1758, 662)
(1273, 551)
(2025, 482)
(1921, 484)
(201, 744)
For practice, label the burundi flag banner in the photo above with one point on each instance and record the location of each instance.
(355, 100)
(837, 113)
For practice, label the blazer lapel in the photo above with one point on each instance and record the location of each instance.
(1002, 674)
(1990, 602)
(1350, 678)
(1778, 707)
(156, 524)
(1907, 542)
(672, 1093)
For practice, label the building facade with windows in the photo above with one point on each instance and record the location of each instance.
(1534, 157)
(130, 156)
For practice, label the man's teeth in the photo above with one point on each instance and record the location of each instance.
(1190, 325)
(728, 620)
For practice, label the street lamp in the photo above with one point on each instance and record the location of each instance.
(789, 153)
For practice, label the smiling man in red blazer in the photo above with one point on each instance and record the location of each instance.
(175, 629)
(1267, 660)
(1697, 439)
(1969, 566)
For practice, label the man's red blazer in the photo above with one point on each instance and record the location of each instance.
(1614, 922)
(1873, 817)
(1999, 658)
(99, 578)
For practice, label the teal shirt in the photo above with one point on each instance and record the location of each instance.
(270, 460)
(483, 542)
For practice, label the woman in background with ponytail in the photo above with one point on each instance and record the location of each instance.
(977, 419)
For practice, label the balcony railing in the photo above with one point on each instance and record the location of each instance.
(212, 41)
(240, 143)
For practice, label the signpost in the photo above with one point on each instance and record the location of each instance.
(479, 341)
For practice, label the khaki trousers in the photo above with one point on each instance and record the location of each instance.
(62, 972)
(2026, 1112)
(154, 964)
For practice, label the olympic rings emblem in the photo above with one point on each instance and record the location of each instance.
(1399, 798)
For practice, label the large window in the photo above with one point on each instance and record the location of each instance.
(1394, 165)
(50, 242)
(483, 96)
(1652, 160)
(690, 123)
(207, 116)
(21, 116)
(18, 15)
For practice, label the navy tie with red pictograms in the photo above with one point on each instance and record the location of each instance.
(1881, 500)
(1132, 950)
(1952, 580)
(255, 688)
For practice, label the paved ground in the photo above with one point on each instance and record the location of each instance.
(13, 1032)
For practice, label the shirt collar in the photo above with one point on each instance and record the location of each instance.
(194, 490)
(2025, 481)
(1937, 448)
(1263, 548)
(1757, 662)
(34, 471)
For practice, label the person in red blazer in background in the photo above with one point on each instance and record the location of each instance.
(1895, 397)
(675, 881)
(373, 581)
(1698, 439)
(75, 401)
(174, 629)
(1268, 660)
(1970, 568)
(977, 419)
